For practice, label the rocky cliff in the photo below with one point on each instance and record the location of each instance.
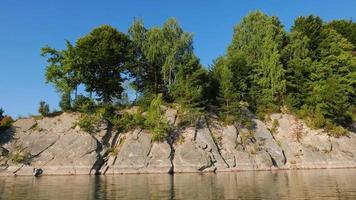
(56, 145)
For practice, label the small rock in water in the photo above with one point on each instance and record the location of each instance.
(37, 171)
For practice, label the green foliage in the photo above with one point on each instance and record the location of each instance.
(20, 156)
(247, 123)
(255, 51)
(346, 28)
(311, 27)
(84, 104)
(297, 64)
(155, 120)
(228, 98)
(310, 71)
(61, 68)
(104, 54)
(336, 130)
(43, 108)
(188, 90)
(65, 103)
(127, 121)
(89, 122)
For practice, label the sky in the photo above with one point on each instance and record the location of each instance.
(27, 26)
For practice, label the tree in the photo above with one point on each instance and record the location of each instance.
(160, 54)
(189, 89)
(229, 98)
(297, 62)
(43, 108)
(61, 69)
(333, 77)
(65, 102)
(346, 28)
(311, 27)
(104, 53)
(257, 43)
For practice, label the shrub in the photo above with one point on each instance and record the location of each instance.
(247, 123)
(88, 122)
(43, 108)
(155, 121)
(84, 104)
(317, 120)
(189, 115)
(5, 123)
(127, 121)
(336, 130)
(19, 155)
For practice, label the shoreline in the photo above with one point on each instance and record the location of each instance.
(187, 172)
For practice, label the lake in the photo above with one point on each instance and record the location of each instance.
(295, 184)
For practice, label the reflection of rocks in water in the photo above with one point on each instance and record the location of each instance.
(299, 184)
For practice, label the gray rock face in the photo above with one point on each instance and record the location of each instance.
(139, 155)
(65, 151)
(171, 115)
(22, 125)
(57, 146)
(267, 142)
(132, 156)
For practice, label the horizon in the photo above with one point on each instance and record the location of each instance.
(32, 25)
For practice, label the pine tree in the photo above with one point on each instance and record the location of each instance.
(333, 87)
(189, 89)
(229, 98)
(310, 26)
(297, 62)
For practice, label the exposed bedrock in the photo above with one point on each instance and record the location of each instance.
(56, 145)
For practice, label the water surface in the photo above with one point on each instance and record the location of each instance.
(298, 184)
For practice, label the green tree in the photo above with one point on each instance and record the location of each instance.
(333, 77)
(189, 89)
(160, 52)
(104, 54)
(229, 98)
(346, 28)
(61, 69)
(297, 62)
(43, 108)
(310, 26)
(257, 43)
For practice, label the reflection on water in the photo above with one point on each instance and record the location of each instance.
(303, 184)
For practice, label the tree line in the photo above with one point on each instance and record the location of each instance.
(310, 70)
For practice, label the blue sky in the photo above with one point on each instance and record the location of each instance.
(26, 26)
